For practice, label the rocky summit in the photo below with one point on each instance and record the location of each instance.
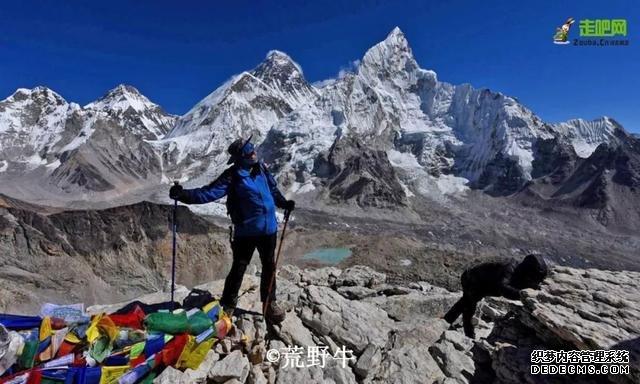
(356, 326)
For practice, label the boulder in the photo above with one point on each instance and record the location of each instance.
(256, 376)
(453, 355)
(306, 375)
(171, 375)
(406, 358)
(293, 332)
(588, 309)
(233, 366)
(291, 273)
(324, 277)
(335, 372)
(574, 310)
(257, 354)
(368, 361)
(361, 276)
(332, 372)
(356, 292)
(416, 305)
(350, 323)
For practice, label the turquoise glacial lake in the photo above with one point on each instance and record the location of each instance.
(328, 255)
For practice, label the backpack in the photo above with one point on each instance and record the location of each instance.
(233, 202)
(197, 298)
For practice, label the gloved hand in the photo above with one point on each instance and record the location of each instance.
(175, 193)
(289, 205)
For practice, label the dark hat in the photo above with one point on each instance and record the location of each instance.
(235, 149)
(530, 272)
(535, 265)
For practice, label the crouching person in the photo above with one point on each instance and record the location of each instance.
(252, 197)
(504, 279)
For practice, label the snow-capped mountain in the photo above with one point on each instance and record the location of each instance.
(35, 124)
(435, 137)
(380, 135)
(585, 136)
(250, 103)
(457, 133)
(54, 149)
(448, 129)
(607, 181)
(285, 76)
(133, 110)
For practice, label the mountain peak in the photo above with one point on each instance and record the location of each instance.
(277, 64)
(122, 98)
(41, 89)
(607, 120)
(41, 93)
(284, 75)
(586, 135)
(395, 43)
(392, 54)
(395, 32)
(123, 89)
(133, 110)
(279, 57)
(396, 38)
(602, 122)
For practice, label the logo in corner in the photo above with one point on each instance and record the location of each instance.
(562, 32)
(595, 33)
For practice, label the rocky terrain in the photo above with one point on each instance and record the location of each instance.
(606, 182)
(390, 318)
(50, 254)
(97, 256)
(397, 336)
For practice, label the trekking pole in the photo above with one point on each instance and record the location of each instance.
(173, 255)
(275, 268)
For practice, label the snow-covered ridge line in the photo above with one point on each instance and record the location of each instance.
(389, 104)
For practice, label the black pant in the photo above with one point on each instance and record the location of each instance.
(467, 307)
(242, 248)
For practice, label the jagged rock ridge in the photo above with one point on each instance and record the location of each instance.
(397, 336)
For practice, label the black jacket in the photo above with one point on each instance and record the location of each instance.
(504, 278)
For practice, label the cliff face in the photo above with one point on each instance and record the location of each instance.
(397, 335)
(100, 255)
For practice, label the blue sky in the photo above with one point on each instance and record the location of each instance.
(178, 52)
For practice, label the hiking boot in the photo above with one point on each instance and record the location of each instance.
(275, 313)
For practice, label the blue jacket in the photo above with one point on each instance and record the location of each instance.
(257, 196)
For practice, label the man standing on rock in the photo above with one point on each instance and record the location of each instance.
(504, 279)
(252, 197)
